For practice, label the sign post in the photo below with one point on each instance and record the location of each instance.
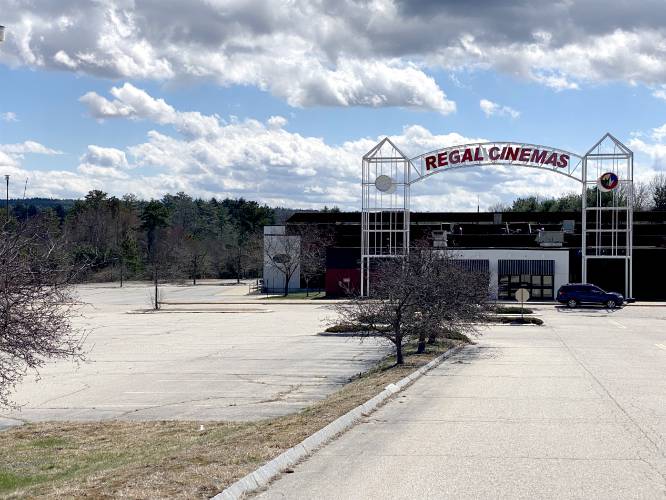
(522, 296)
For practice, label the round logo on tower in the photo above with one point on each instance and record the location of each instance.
(608, 181)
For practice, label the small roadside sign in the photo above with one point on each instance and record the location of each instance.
(522, 296)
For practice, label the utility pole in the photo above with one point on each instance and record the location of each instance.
(7, 205)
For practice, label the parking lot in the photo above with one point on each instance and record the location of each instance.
(210, 354)
(575, 408)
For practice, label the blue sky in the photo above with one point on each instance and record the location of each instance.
(247, 99)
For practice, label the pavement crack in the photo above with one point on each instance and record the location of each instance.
(643, 432)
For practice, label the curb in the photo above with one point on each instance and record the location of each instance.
(270, 470)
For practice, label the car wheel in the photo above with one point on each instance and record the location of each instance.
(572, 303)
(610, 304)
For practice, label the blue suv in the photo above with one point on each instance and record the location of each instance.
(574, 294)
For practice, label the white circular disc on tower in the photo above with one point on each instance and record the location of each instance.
(385, 184)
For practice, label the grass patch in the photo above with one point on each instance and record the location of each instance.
(171, 459)
(364, 330)
(300, 296)
(511, 310)
(10, 481)
(351, 328)
(507, 320)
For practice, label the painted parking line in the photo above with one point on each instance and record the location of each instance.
(661, 346)
(618, 324)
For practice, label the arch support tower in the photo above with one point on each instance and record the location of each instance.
(385, 207)
(607, 216)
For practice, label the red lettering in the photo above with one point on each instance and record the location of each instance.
(477, 155)
(564, 161)
(552, 160)
(538, 156)
(441, 160)
(503, 155)
(454, 157)
(467, 155)
(494, 153)
(525, 154)
(430, 162)
(511, 153)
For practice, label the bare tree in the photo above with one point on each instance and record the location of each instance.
(283, 253)
(455, 298)
(36, 303)
(197, 252)
(658, 187)
(642, 196)
(314, 242)
(422, 296)
(244, 255)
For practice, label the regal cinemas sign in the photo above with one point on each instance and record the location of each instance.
(494, 153)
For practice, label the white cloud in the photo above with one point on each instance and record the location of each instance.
(491, 108)
(660, 93)
(28, 147)
(262, 161)
(374, 53)
(134, 103)
(105, 157)
(277, 122)
(8, 117)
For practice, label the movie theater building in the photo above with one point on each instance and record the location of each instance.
(538, 251)
(606, 243)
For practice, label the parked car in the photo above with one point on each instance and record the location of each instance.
(574, 294)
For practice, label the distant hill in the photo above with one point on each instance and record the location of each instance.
(42, 203)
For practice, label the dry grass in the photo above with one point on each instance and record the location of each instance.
(171, 459)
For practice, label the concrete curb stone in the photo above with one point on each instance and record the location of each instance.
(270, 470)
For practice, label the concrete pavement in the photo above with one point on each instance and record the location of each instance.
(213, 360)
(574, 409)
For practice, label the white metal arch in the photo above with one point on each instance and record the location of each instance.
(385, 202)
(573, 168)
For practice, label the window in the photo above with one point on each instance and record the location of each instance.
(540, 286)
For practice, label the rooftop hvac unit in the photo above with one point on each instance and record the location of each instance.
(550, 238)
(439, 239)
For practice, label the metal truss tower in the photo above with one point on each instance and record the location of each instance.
(385, 207)
(607, 218)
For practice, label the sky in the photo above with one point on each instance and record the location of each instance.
(278, 100)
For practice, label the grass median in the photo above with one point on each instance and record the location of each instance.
(173, 459)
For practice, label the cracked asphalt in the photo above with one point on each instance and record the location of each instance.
(215, 354)
(573, 409)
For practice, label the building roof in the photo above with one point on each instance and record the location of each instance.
(466, 217)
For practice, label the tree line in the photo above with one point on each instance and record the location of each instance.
(176, 237)
(647, 196)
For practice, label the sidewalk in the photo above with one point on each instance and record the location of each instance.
(529, 412)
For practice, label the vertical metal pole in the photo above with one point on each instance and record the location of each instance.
(630, 229)
(7, 204)
(583, 243)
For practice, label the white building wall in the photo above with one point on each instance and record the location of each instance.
(273, 278)
(493, 255)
